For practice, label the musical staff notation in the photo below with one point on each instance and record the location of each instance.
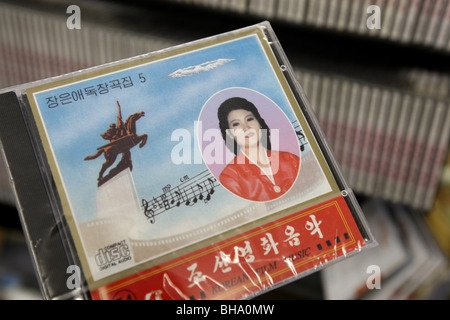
(190, 191)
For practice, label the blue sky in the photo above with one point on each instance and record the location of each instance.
(169, 104)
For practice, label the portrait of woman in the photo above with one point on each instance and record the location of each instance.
(257, 172)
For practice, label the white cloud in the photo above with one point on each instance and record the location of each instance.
(205, 66)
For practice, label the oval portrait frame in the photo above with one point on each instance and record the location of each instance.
(216, 155)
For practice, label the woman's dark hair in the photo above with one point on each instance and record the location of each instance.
(237, 103)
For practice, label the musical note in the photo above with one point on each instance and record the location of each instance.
(199, 187)
(210, 189)
(300, 135)
(194, 198)
(165, 202)
(301, 138)
(180, 197)
(211, 183)
(156, 203)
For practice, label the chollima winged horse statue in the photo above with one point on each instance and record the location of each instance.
(123, 138)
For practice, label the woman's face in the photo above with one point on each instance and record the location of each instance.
(244, 128)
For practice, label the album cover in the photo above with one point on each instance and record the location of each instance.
(196, 172)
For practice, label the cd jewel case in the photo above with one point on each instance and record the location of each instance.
(196, 172)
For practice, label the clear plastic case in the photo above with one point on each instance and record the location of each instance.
(195, 172)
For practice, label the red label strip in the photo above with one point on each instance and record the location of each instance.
(244, 264)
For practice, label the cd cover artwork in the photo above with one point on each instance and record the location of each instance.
(193, 173)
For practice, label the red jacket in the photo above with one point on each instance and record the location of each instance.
(245, 179)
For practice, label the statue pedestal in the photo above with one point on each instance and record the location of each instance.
(105, 238)
(118, 198)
